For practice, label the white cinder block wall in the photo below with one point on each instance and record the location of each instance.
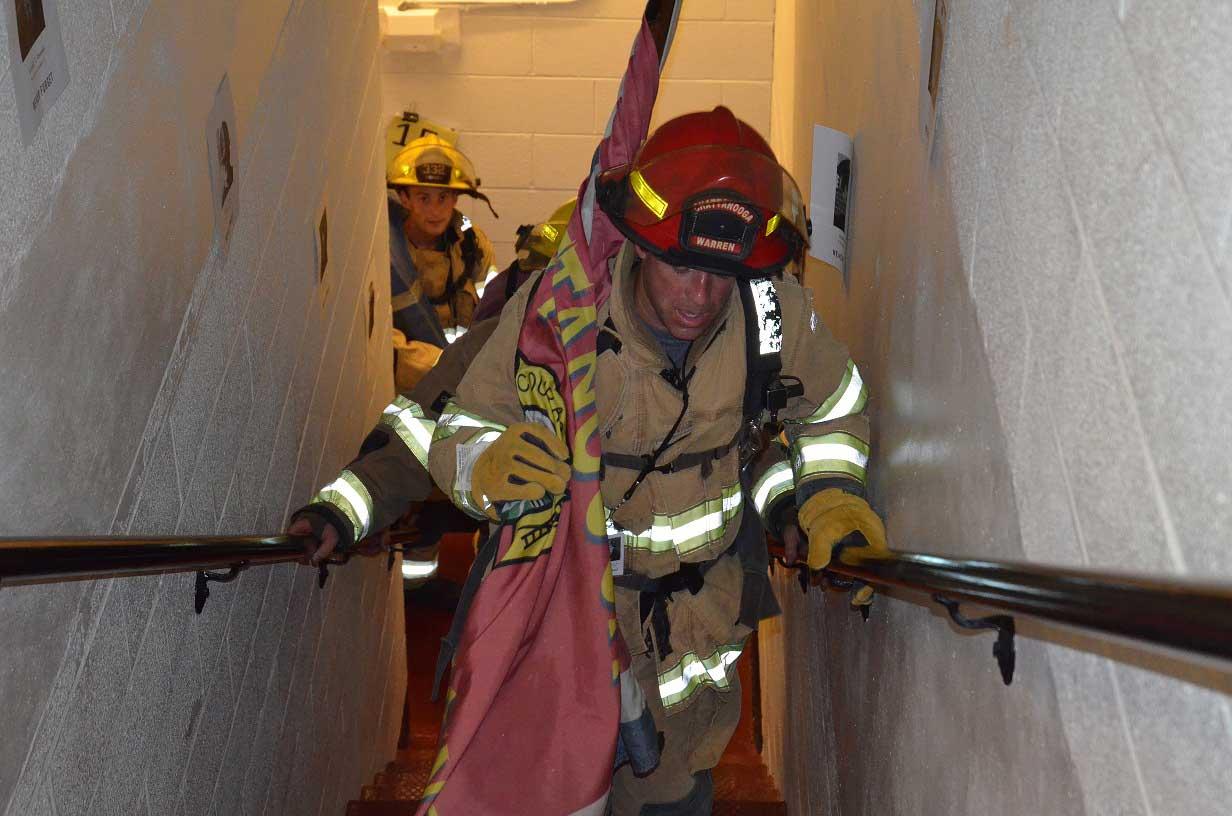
(1039, 299)
(152, 385)
(530, 89)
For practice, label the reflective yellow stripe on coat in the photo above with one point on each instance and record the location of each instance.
(679, 682)
(849, 398)
(776, 481)
(348, 494)
(838, 453)
(834, 454)
(415, 430)
(454, 419)
(690, 529)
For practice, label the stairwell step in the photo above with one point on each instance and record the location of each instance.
(381, 808)
(743, 783)
(727, 808)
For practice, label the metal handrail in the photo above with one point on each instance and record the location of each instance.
(1180, 616)
(36, 560)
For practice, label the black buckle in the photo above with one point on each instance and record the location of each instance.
(778, 393)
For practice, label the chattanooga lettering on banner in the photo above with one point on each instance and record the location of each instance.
(535, 531)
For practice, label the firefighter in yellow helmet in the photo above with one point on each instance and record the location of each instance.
(390, 472)
(436, 253)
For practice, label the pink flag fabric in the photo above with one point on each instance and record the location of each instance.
(533, 702)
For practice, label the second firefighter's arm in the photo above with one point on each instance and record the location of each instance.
(485, 405)
(825, 438)
(391, 470)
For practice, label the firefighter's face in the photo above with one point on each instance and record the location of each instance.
(684, 302)
(430, 208)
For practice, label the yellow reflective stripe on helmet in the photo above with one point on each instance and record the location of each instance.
(653, 201)
(348, 494)
(454, 419)
(412, 427)
(776, 481)
(691, 529)
(550, 232)
(679, 683)
(773, 223)
(849, 398)
(835, 453)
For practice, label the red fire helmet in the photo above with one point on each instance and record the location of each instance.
(706, 192)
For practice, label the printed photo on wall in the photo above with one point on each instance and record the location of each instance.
(830, 195)
(222, 155)
(37, 58)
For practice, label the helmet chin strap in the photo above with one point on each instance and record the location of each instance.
(485, 200)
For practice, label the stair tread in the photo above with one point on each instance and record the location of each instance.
(381, 808)
(743, 786)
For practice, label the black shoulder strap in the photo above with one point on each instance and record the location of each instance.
(470, 252)
(449, 644)
(763, 344)
(608, 340)
(511, 280)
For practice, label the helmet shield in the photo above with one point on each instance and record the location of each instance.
(725, 208)
(675, 181)
(431, 162)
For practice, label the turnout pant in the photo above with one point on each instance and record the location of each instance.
(697, 730)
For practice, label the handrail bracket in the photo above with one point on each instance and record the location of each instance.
(1003, 649)
(205, 577)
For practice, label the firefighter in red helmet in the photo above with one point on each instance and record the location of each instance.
(725, 409)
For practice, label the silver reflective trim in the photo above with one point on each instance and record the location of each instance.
(831, 451)
(679, 683)
(361, 503)
(418, 569)
(777, 477)
(769, 316)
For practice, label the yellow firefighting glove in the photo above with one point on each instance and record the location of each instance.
(830, 516)
(525, 462)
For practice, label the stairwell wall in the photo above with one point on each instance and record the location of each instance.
(530, 89)
(156, 383)
(1038, 295)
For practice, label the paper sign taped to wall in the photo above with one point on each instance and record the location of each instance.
(222, 153)
(39, 64)
(829, 195)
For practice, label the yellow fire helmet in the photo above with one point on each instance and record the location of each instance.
(405, 128)
(536, 245)
(430, 161)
